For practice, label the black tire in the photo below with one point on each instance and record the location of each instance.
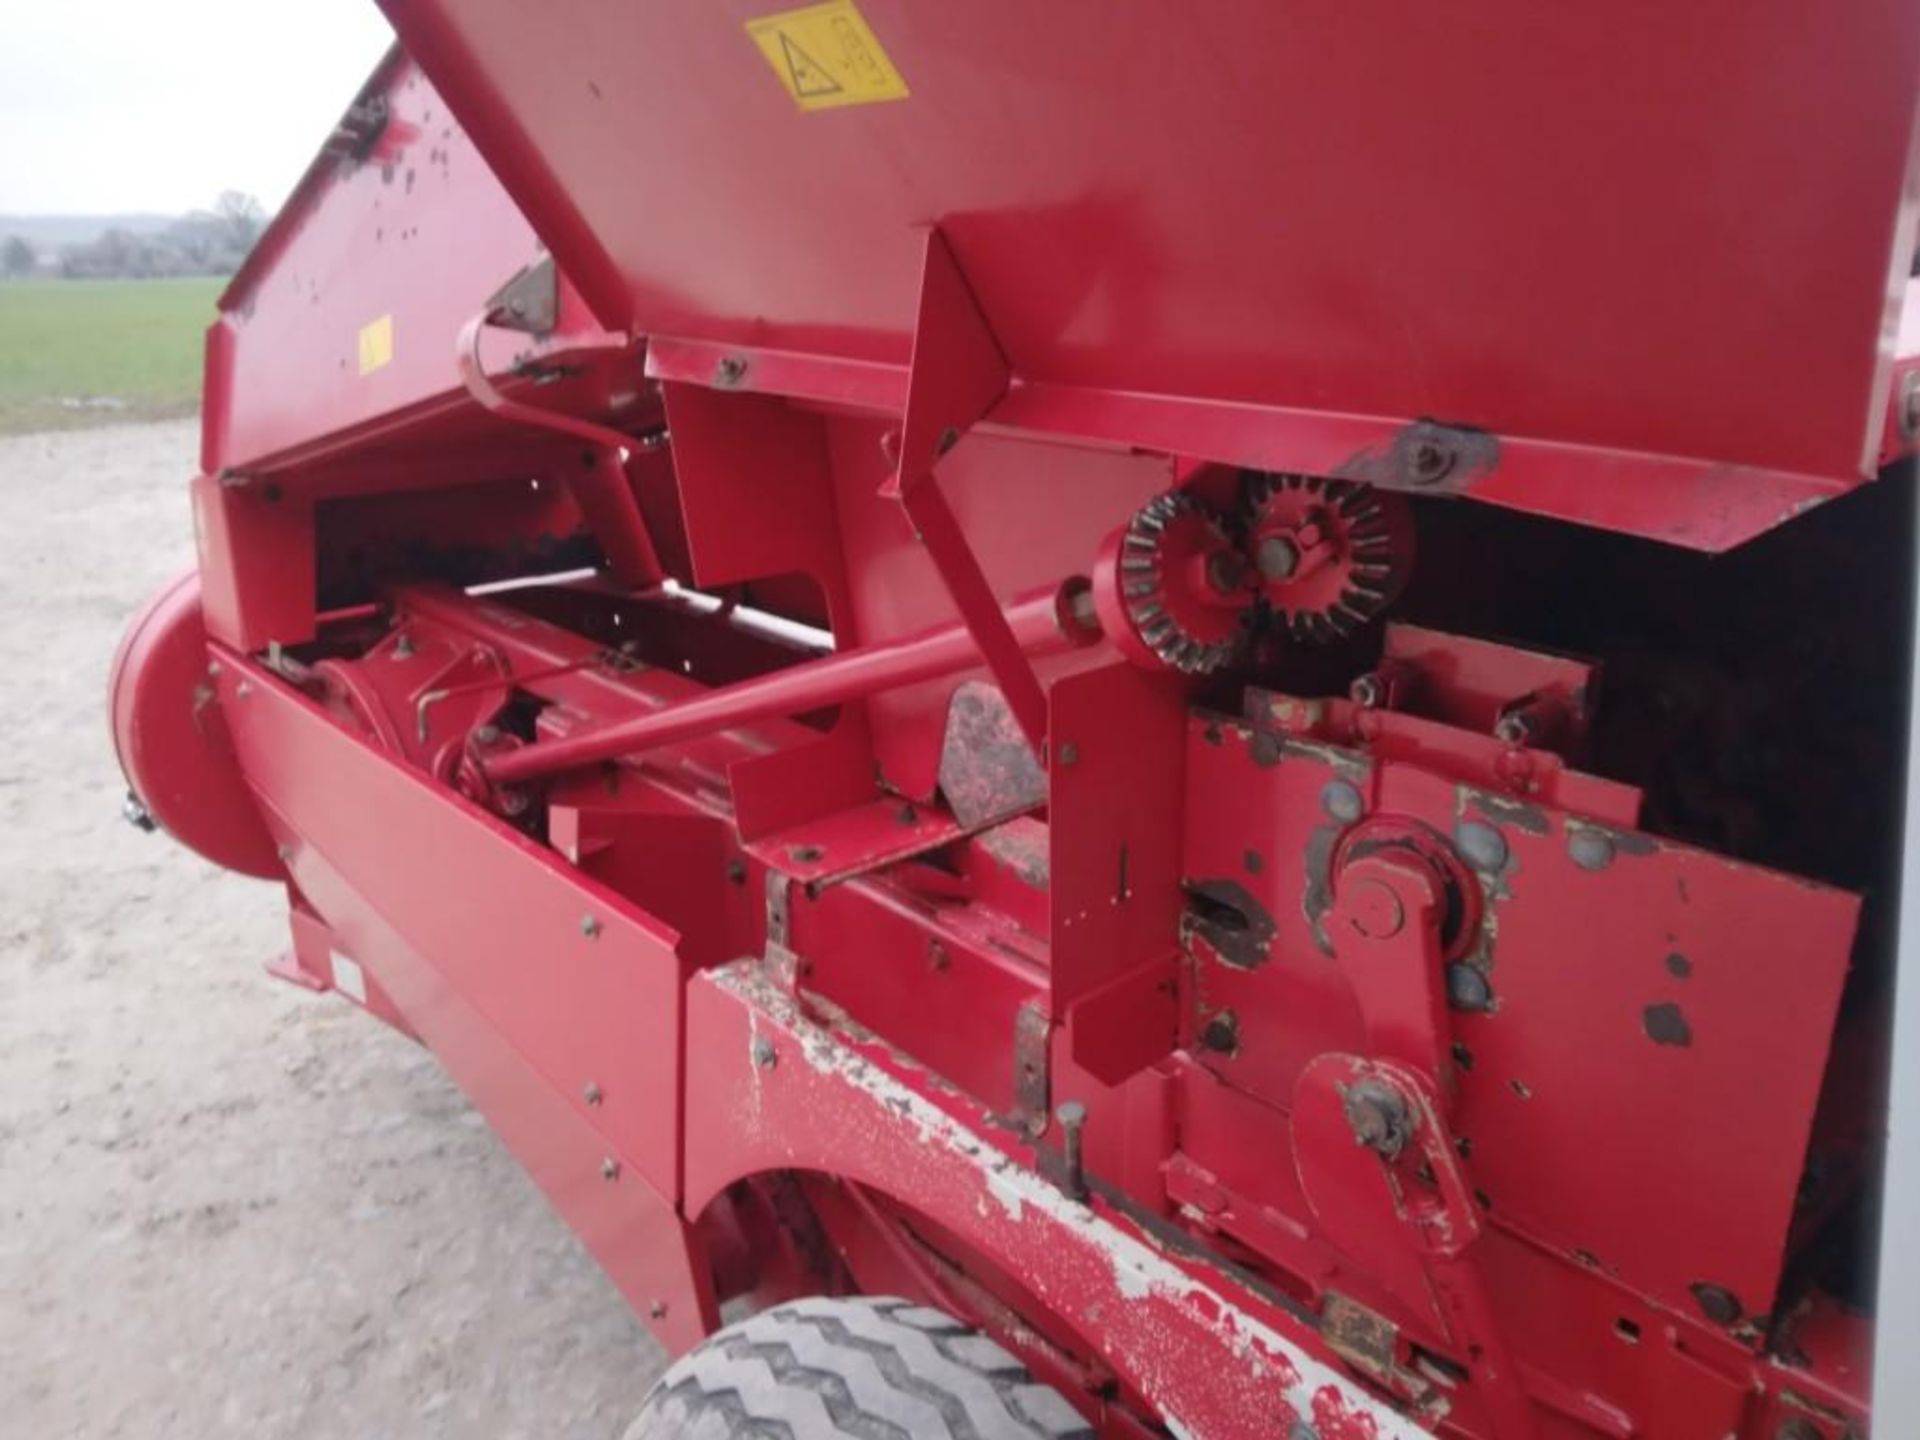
(861, 1368)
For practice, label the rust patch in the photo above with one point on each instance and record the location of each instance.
(1666, 1024)
(987, 769)
(1506, 810)
(1021, 846)
(1225, 914)
(1427, 456)
(1317, 898)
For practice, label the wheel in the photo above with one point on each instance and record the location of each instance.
(863, 1368)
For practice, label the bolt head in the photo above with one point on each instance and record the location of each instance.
(1380, 1116)
(590, 927)
(1590, 850)
(764, 1055)
(1429, 463)
(1278, 558)
(1514, 729)
(1481, 845)
(592, 1094)
(609, 1169)
(1072, 1115)
(1221, 1033)
(1342, 801)
(1367, 692)
(487, 735)
(1467, 988)
(1226, 571)
(1069, 753)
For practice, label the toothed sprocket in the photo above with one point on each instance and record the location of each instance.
(1331, 554)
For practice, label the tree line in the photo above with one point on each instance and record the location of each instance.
(203, 242)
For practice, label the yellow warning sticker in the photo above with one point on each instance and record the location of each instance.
(376, 344)
(827, 56)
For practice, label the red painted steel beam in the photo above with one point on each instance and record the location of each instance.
(1040, 622)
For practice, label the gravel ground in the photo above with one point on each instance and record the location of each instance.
(227, 1206)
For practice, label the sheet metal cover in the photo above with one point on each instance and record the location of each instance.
(1646, 226)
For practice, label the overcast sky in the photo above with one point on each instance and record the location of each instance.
(116, 105)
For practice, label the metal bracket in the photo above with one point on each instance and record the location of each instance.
(957, 375)
(530, 301)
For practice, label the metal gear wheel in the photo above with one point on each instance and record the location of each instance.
(1330, 554)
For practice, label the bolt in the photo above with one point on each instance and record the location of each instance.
(1514, 728)
(736, 871)
(1341, 800)
(657, 1310)
(1221, 1033)
(1717, 1303)
(1467, 988)
(1481, 845)
(1379, 1116)
(764, 1055)
(1069, 753)
(1590, 849)
(513, 802)
(592, 1094)
(731, 370)
(590, 927)
(487, 735)
(1226, 571)
(1429, 463)
(1278, 558)
(609, 1169)
(1073, 1121)
(137, 815)
(403, 647)
(1368, 691)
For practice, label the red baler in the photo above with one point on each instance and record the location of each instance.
(1115, 719)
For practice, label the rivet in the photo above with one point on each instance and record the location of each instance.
(592, 1094)
(1590, 849)
(1467, 988)
(609, 1169)
(1069, 753)
(1481, 845)
(590, 927)
(764, 1055)
(1342, 801)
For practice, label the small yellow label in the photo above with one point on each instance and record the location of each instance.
(827, 56)
(376, 344)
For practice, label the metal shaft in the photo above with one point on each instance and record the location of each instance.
(1042, 622)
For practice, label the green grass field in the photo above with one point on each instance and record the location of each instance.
(94, 352)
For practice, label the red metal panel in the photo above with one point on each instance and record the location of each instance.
(1643, 1001)
(1622, 230)
(405, 245)
(586, 987)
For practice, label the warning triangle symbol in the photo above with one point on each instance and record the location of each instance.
(810, 77)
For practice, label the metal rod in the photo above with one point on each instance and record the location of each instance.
(600, 487)
(1041, 622)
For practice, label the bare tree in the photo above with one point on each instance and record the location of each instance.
(244, 218)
